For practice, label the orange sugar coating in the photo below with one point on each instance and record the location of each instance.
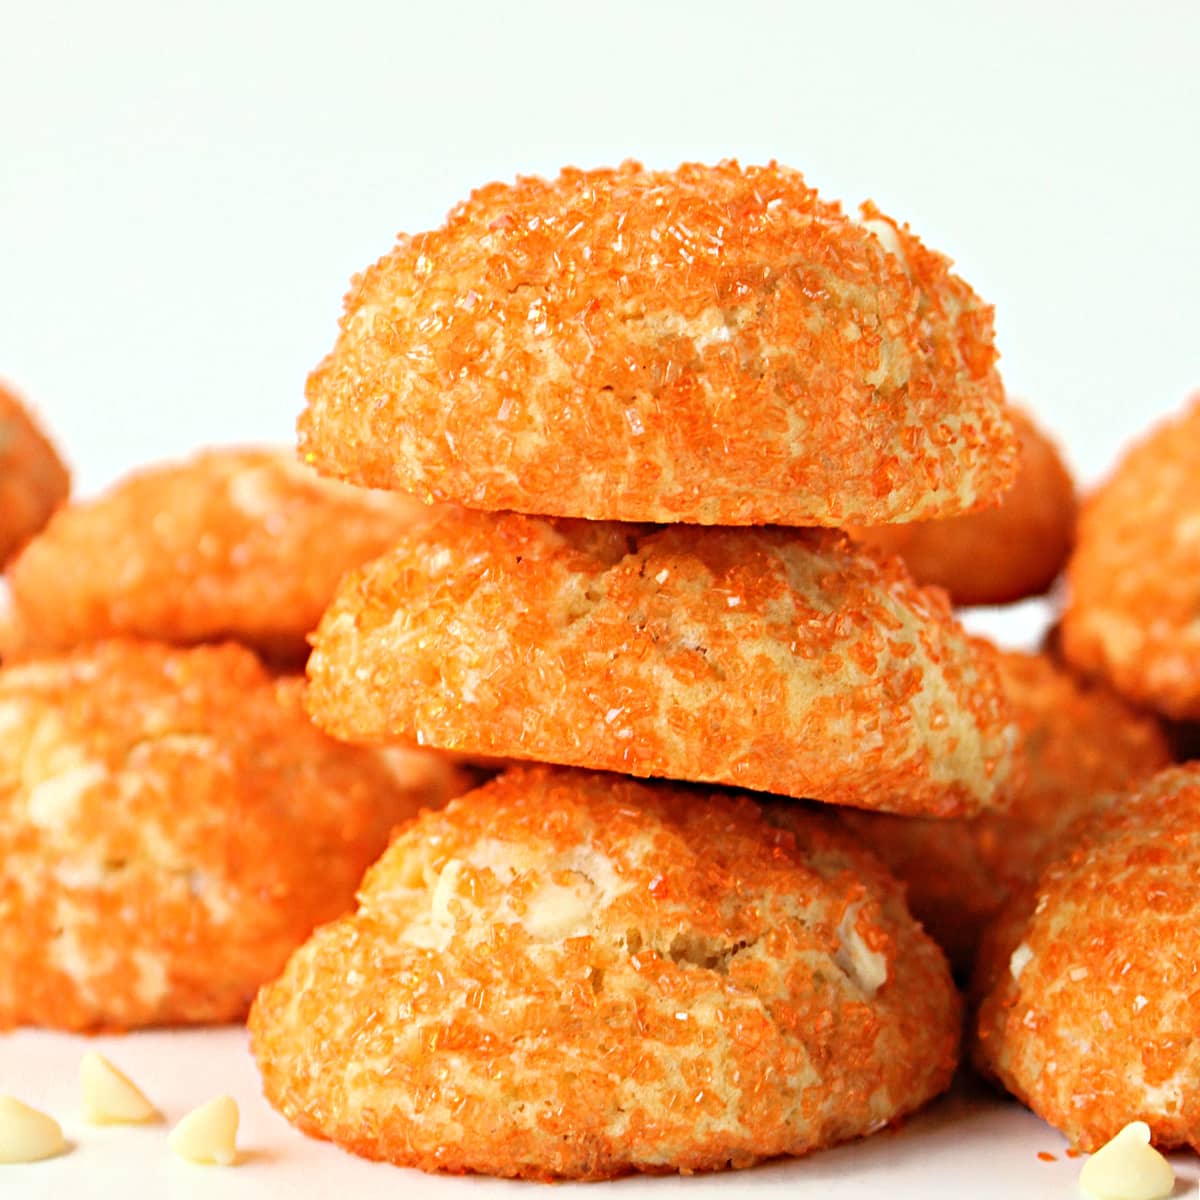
(1134, 579)
(1079, 742)
(784, 661)
(33, 480)
(171, 828)
(245, 544)
(713, 345)
(1089, 978)
(575, 975)
(1000, 554)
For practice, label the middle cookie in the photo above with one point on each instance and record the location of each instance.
(785, 661)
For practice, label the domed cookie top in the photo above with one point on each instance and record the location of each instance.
(171, 827)
(781, 660)
(1090, 1008)
(33, 480)
(575, 975)
(234, 543)
(1134, 579)
(713, 345)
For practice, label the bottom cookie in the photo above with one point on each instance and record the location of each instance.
(567, 974)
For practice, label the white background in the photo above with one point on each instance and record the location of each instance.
(185, 191)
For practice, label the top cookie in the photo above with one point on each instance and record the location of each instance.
(713, 345)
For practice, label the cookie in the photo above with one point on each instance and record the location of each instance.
(1001, 554)
(1079, 742)
(1090, 1012)
(244, 544)
(713, 344)
(784, 661)
(575, 975)
(1134, 580)
(171, 828)
(33, 480)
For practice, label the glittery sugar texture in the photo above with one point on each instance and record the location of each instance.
(712, 345)
(1134, 579)
(1002, 554)
(171, 828)
(779, 660)
(243, 544)
(1090, 978)
(574, 975)
(33, 480)
(1079, 743)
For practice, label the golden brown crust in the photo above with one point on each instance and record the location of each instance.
(1001, 554)
(171, 828)
(572, 975)
(1134, 579)
(1090, 1012)
(784, 661)
(712, 345)
(33, 479)
(1079, 741)
(244, 544)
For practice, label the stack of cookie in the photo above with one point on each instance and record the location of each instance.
(646, 402)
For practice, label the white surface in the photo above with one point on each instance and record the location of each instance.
(969, 1146)
(186, 190)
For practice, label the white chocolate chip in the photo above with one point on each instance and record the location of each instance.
(867, 967)
(1128, 1168)
(27, 1135)
(54, 801)
(1021, 958)
(555, 911)
(445, 890)
(110, 1097)
(208, 1134)
(885, 233)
